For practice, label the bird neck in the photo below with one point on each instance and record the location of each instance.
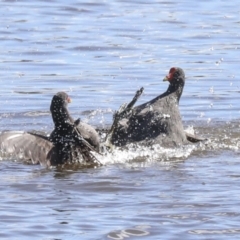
(176, 88)
(61, 116)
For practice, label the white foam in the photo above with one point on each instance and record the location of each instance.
(136, 153)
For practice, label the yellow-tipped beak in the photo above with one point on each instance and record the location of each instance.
(165, 79)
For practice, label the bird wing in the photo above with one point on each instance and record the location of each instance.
(26, 146)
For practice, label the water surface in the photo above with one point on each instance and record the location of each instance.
(101, 52)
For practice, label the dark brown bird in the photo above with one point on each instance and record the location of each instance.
(65, 145)
(157, 121)
(62, 120)
(66, 135)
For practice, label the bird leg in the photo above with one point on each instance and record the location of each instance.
(122, 112)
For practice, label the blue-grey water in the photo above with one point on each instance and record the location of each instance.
(101, 52)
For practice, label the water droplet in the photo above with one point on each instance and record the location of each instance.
(211, 90)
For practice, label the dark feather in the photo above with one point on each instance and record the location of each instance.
(157, 121)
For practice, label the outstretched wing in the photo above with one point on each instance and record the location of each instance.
(26, 146)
